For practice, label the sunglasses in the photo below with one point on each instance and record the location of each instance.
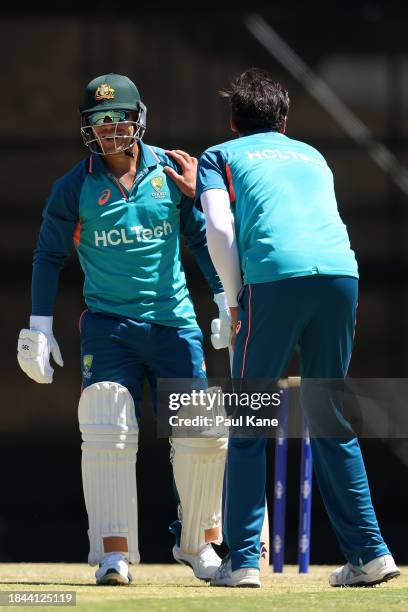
(115, 116)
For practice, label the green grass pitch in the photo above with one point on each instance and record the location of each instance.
(172, 587)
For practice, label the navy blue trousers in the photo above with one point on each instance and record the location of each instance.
(318, 314)
(124, 351)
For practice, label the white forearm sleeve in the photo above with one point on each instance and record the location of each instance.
(221, 241)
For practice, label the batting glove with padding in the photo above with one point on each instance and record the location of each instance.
(221, 327)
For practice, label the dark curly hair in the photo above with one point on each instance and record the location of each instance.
(257, 102)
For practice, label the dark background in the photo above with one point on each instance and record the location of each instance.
(179, 60)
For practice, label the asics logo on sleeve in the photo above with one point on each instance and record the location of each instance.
(131, 235)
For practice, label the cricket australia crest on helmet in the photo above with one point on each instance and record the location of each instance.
(111, 92)
(104, 92)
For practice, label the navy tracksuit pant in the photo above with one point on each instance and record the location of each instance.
(317, 313)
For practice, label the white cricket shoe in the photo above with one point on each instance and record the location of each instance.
(114, 571)
(204, 565)
(246, 577)
(375, 571)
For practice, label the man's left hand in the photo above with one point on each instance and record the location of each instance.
(186, 181)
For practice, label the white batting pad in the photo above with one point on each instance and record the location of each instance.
(198, 467)
(110, 434)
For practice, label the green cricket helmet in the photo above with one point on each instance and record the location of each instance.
(114, 99)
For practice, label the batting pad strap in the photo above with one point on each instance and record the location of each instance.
(110, 432)
(198, 467)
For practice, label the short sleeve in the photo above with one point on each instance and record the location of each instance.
(211, 173)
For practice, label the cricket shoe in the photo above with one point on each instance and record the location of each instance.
(113, 571)
(204, 564)
(375, 571)
(245, 577)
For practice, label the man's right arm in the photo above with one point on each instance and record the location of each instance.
(60, 221)
(214, 195)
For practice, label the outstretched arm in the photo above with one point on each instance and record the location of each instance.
(192, 225)
(184, 174)
(221, 240)
(192, 222)
(222, 246)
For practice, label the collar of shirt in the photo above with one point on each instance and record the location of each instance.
(263, 130)
(148, 159)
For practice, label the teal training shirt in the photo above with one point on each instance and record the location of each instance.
(282, 195)
(128, 243)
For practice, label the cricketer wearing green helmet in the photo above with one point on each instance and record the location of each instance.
(125, 207)
(112, 97)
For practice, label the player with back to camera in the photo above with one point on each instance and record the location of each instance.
(300, 284)
(125, 207)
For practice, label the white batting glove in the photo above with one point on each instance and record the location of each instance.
(221, 327)
(34, 348)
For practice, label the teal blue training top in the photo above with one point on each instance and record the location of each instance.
(128, 243)
(282, 196)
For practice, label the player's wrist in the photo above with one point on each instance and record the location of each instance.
(234, 314)
(221, 300)
(42, 324)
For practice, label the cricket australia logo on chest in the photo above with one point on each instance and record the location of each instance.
(157, 183)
